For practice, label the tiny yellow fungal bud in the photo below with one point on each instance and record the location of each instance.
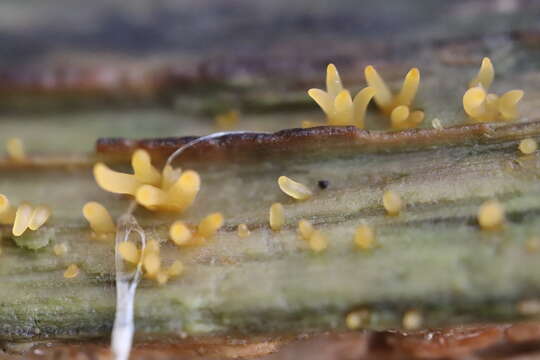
(305, 229)
(71, 272)
(357, 319)
(22, 219)
(412, 320)
(179, 233)
(228, 120)
(277, 216)
(364, 237)
(39, 216)
(114, 181)
(7, 212)
(210, 225)
(485, 75)
(15, 149)
(129, 252)
(294, 189)
(528, 146)
(152, 263)
(532, 244)
(60, 249)
(176, 268)
(436, 124)
(144, 171)
(491, 215)
(392, 202)
(243, 231)
(318, 242)
(399, 116)
(99, 218)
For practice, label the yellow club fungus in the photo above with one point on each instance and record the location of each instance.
(357, 319)
(22, 218)
(71, 272)
(7, 212)
(294, 189)
(243, 231)
(169, 190)
(412, 320)
(397, 106)
(129, 252)
(15, 149)
(392, 202)
(491, 215)
(276, 216)
(40, 215)
(305, 229)
(227, 120)
(364, 237)
(99, 218)
(210, 225)
(60, 249)
(482, 106)
(152, 263)
(317, 241)
(528, 146)
(179, 233)
(338, 105)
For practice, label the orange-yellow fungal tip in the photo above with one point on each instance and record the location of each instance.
(7, 212)
(294, 189)
(412, 320)
(491, 215)
(210, 225)
(243, 231)
(39, 216)
(71, 272)
(485, 75)
(152, 263)
(357, 319)
(22, 219)
(99, 218)
(276, 216)
(144, 171)
(305, 229)
(528, 146)
(129, 252)
(180, 233)
(317, 241)
(392, 202)
(60, 249)
(228, 120)
(176, 268)
(15, 149)
(114, 181)
(364, 237)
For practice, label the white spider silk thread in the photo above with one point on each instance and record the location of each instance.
(126, 282)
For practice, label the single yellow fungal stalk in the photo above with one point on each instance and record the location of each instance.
(392, 202)
(71, 272)
(180, 233)
(60, 249)
(276, 216)
(39, 216)
(528, 146)
(7, 212)
(114, 181)
(491, 215)
(22, 219)
(15, 149)
(294, 189)
(210, 225)
(144, 171)
(152, 263)
(129, 252)
(184, 191)
(317, 241)
(412, 320)
(364, 237)
(357, 319)
(305, 229)
(228, 120)
(338, 105)
(243, 231)
(485, 75)
(99, 218)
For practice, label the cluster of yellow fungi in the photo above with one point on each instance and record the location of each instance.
(482, 106)
(23, 217)
(169, 190)
(341, 109)
(315, 239)
(182, 235)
